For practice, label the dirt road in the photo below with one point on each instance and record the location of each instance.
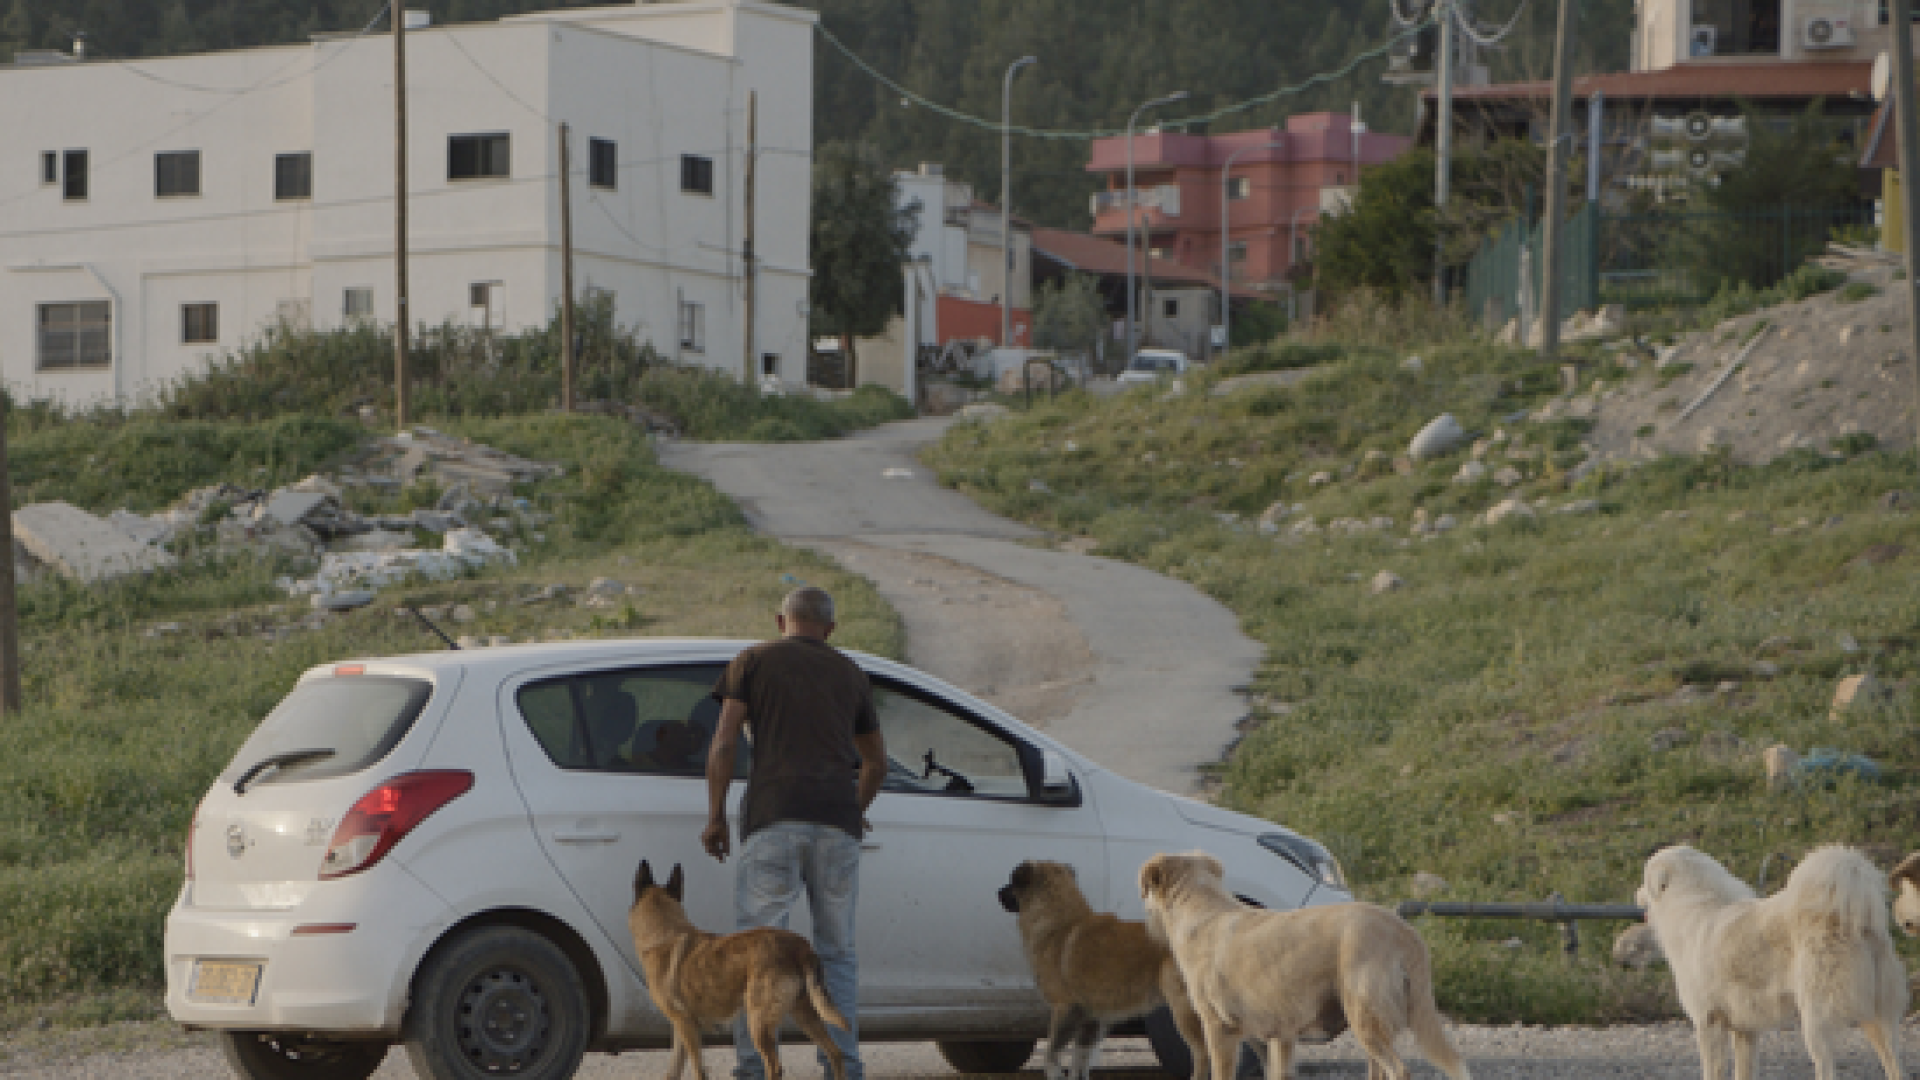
(1134, 669)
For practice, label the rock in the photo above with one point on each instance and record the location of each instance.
(468, 641)
(1510, 508)
(1507, 476)
(1411, 363)
(1442, 435)
(1272, 516)
(603, 586)
(463, 613)
(1386, 581)
(344, 600)
(1780, 761)
(1764, 669)
(147, 530)
(1320, 479)
(1848, 645)
(82, 547)
(1480, 448)
(1471, 472)
(1039, 487)
(289, 507)
(318, 485)
(984, 412)
(1149, 458)
(1669, 739)
(1637, 948)
(496, 640)
(1860, 693)
(377, 540)
(1426, 884)
(1580, 506)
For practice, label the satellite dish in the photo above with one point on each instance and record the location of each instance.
(1882, 76)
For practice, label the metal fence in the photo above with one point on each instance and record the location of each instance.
(1494, 276)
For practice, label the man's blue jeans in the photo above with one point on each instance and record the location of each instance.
(776, 864)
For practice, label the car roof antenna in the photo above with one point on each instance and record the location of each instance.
(428, 623)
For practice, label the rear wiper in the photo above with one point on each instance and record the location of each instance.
(277, 761)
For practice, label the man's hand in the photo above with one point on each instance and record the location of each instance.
(716, 839)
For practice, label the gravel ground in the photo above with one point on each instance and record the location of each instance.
(1656, 1052)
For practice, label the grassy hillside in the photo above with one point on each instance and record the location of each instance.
(1545, 700)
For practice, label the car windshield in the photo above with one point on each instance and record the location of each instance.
(1152, 362)
(329, 727)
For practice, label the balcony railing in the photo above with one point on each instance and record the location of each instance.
(1164, 198)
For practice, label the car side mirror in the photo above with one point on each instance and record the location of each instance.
(1056, 779)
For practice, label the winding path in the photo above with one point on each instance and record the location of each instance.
(1136, 670)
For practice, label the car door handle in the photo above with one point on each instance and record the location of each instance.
(584, 836)
(869, 847)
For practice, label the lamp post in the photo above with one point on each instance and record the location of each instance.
(1226, 273)
(1132, 331)
(1006, 210)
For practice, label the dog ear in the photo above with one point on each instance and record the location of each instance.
(1153, 877)
(1214, 865)
(1022, 876)
(643, 880)
(1908, 870)
(677, 883)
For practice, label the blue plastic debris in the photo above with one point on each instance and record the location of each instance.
(1826, 766)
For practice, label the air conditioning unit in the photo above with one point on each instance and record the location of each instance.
(1826, 31)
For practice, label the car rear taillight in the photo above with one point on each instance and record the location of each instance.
(384, 815)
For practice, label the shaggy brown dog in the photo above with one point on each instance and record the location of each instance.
(700, 979)
(1270, 975)
(1905, 880)
(1094, 969)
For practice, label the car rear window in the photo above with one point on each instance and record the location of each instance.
(356, 720)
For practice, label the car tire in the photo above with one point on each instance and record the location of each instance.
(1176, 1060)
(279, 1055)
(498, 1000)
(1001, 1056)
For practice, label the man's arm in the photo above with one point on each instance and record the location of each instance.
(873, 766)
(722, 756)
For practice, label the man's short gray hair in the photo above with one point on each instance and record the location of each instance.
(809, 604)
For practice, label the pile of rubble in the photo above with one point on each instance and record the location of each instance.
(355, 553)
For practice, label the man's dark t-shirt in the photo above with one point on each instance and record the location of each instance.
(805, 703)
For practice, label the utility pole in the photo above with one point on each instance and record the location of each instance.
(1556, 181)
(748, 375)
(1443, 149)
(1900, 14)
(9, 615)
(400, 320)
(1006, 217)
(567, 359)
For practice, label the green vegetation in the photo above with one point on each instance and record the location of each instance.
(139, 691)
(860, 235)
(1855, 291)
(1546, 699)
(1069, 315)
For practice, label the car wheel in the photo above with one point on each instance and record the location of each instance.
(278, 1055)
(1175, 1059)
(499, 1000)
(1004, 1056)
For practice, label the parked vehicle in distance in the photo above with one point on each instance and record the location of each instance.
(438, 851)
(1150, 365)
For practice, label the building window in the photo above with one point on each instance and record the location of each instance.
(1240, 187)
(1237, 251)
(1172, 309)
(488, 299)
(358, 304)
(49, 168)
(199, 323)
(292, 176)
(603, 164)
(478, 157)
(75, 336)
(770, 365)
(696, 174)
(74, 184)
(693, 326)
(176, 173)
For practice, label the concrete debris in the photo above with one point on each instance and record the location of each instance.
(1860, 693)
(423, 453)
(1442, 435)
(1507, 476)
(345, 600)
(1426, 884)
(463, 550)
(83, 547)
(984, 411)
(1509, 508)
(1386, 581)
(1472, 471)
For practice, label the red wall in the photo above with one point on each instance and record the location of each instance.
(971, 320)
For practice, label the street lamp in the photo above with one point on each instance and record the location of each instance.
(1006, 205)
(1132, 332)
(1226, 274)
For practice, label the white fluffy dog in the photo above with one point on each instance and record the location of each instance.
(1819, 949)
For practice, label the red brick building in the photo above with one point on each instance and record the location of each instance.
(1274, 195)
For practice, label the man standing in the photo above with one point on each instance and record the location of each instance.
(810, 711)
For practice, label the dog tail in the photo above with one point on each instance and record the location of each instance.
(1423, 1018)
(822, 1004)
(1839, 883)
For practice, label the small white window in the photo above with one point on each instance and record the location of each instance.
(693, 326)
(358, 304)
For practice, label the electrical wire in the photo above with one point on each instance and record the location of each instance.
(270, 84)
(1487, 41)
(1393, 6)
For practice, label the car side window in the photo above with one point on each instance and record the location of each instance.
(936, 750)
(657, 721)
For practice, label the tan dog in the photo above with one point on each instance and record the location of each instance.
(700, 979)
(1905, 880)
(1817, 952)
(1094, 969)
(1271, 976)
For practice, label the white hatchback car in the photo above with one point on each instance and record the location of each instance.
(439, 850)
(1152, 365)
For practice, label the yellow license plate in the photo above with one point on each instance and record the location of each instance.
(225, 982)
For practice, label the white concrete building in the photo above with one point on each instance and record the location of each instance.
(162, 211)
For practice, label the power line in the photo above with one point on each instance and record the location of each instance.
(1488, 41)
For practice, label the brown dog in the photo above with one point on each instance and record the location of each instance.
(1094, 969)
(1271, 975)
(699, 979)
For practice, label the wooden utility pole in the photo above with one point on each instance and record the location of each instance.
(9, 616)
(748, 372)
(1556, 181)
(1900, 14)
(401, 319)
(1443, 149)
(567, 359)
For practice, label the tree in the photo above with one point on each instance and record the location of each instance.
(1069, 315)
(1258, 323)
(859, 238)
